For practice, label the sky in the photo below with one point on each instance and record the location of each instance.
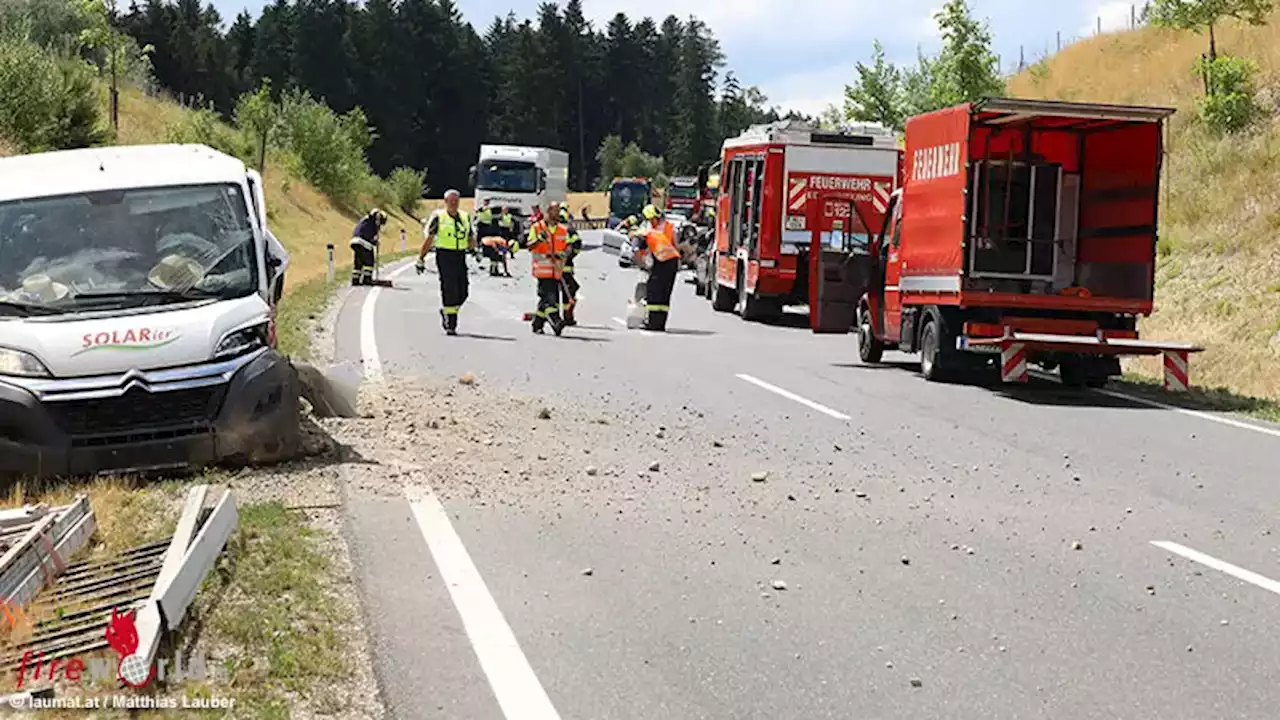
(801, 53)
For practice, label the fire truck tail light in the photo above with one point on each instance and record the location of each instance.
(768, 263)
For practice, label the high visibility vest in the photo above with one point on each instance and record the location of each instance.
(452, 234)
(506, 222)
(662, 242)
(548, 245)
(484, 216)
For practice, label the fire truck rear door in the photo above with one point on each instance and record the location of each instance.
(840, 266)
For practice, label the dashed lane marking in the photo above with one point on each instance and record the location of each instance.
(1234, 571)
(792, 396)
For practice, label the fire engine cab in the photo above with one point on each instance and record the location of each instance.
(771, 173)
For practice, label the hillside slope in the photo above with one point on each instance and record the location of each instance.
(1218, 279)
(302, 218)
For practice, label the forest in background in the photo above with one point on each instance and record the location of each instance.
(433, 88)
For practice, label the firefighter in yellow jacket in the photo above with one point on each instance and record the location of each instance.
(548, 244)
(660, 242)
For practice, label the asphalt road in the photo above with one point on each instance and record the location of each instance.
(948, 551)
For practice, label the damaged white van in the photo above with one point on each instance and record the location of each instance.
(138, 288)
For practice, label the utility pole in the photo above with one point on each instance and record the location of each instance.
(582, 140)
(115, 52)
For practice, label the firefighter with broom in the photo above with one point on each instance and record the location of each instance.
(364, 245)
(548, 244)
(660, 243)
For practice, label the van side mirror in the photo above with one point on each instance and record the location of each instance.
(542, 180)
(471, 177)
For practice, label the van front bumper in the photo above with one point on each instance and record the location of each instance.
(177, 418)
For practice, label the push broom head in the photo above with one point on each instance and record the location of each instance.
(528, 317)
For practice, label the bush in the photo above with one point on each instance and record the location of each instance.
(329, 149)
(1230, 105)
(406, 186)
(204, 127)
(47, 102)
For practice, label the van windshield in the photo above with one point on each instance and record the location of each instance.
(507, 176)
(686, 192)
(126, 247)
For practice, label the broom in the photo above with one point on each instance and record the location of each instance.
(377, 259)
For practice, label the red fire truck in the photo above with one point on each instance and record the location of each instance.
(683, 196)
(1025, 233)
(772, 177)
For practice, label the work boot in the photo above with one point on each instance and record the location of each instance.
(557, 325)
(444, 320)
(452, 328)
(537, 329)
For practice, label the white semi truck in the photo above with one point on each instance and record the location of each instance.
(520, 178)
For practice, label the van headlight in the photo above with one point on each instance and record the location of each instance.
(239, 342)
(21, 364)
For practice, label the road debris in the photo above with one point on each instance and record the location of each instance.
(1077, 545)
(37, 541)
(152, 584)
(544, 414)
(654, 466)
(916, 682)
(760, 476)
(779, 585)
(588, 572)
(467, 379)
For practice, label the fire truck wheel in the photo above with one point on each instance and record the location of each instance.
(930, 352)
(722, 300)
(870, 347)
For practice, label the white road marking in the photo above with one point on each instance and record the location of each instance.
(1165, 406)
(514, 683)
(1194, 413)
(368, 341)
(792, 396)
(1237, 572)
(620, 321)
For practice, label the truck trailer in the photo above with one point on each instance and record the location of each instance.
(1024, 233)
(520, 178)
(773, 175)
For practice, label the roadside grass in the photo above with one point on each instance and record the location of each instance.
(1219, 248)
(267, 604)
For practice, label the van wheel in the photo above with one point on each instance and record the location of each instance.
(870, 348)
(931, 352)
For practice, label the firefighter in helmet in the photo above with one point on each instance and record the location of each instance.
(571, 285)
(659, 242)
(364, 241)
(548, 244)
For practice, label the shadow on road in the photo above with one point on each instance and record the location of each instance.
(481, 336)
(1039, 389)
(1044, 392)
(689, 331)
(885, 365)
(580, 338)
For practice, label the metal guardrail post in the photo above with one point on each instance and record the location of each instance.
(329, 274)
